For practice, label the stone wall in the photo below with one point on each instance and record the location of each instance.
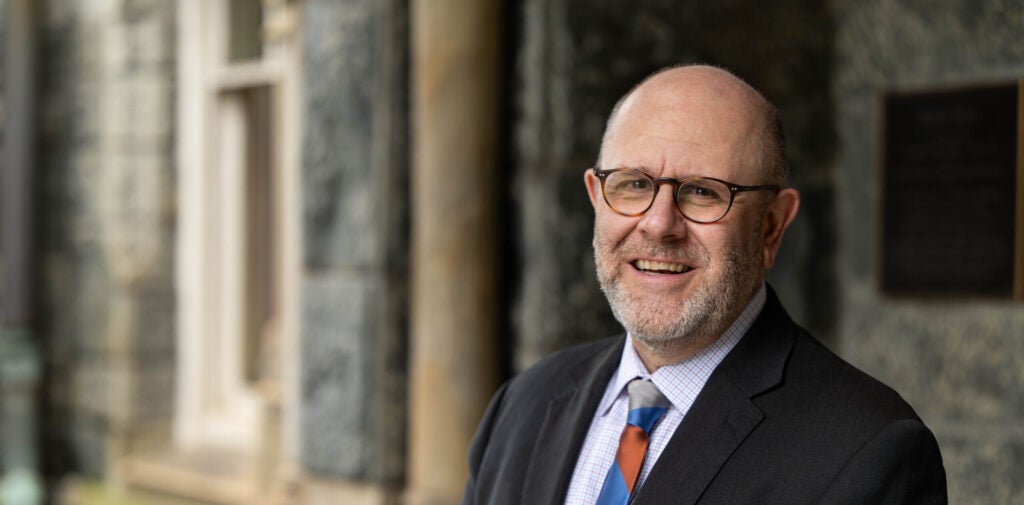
(355, 220)
(105, 227)
(576, 58)
(960, 362)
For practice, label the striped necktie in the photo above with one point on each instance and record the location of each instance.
(646, 406)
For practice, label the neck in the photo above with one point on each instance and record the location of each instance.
(654, 358)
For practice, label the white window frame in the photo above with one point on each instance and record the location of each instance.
(214, 406)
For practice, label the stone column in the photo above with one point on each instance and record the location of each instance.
(456, 97)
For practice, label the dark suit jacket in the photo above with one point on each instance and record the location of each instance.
(782, 420)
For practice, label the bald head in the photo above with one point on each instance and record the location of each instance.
(708, 98)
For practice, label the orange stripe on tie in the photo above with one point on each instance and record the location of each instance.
(630, 456)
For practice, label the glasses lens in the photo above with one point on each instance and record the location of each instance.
(703, 200)
(628, 192)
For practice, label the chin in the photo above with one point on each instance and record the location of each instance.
(664, 341)
(658, 322)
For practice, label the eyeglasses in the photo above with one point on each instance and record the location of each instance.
(630, 192)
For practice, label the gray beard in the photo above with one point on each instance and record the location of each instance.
(704, 316)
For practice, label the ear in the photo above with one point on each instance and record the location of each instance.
(781, 212)
(593, 186)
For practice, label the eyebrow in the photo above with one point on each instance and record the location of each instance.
(650, 172)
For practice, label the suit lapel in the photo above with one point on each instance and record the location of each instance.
(701, 445)
(565, 427)
(723, 414)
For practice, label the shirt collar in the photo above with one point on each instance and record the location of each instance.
(673, 379)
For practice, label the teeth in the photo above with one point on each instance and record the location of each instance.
(661, 266)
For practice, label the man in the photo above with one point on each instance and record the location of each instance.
(727, 400)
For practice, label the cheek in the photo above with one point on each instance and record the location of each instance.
(612, 228)
(724, 244)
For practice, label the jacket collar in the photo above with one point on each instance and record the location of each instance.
(566, 422)
(759, 359)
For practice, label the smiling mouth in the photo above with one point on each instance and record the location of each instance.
(660, 267)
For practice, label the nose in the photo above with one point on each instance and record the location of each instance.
(663, 221)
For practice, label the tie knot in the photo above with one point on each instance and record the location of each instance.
(646, 404)
(643, 394)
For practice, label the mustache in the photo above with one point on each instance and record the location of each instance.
(681, 252)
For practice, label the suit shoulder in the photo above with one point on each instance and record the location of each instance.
(851, 391)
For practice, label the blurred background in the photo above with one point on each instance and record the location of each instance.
(283, 251)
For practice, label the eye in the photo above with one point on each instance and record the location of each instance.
(636, 184)
(704, 192)
(627, 183)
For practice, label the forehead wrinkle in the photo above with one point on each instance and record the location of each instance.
(679, 157)
(623, 153)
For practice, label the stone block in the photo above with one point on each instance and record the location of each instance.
(152, 392)
(84, 301)
(131, 9)
(124, 390)
(949, 360)
(339, 192)
(89, 444)
(93, 390)
(984, 469)
(154, 328)
(337, 393)
(858, 182)
(138, 113)
(137, 234)
(145, 37)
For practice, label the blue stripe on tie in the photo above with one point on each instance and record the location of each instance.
(645, 417)
(613, 491)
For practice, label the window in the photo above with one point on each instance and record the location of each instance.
(238, 234)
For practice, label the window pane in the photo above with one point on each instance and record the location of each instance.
(245, 37)
(261, 233)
